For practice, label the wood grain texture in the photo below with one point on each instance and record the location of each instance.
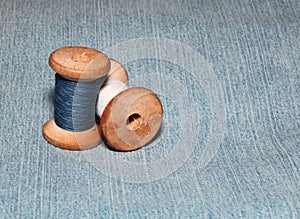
(117, 71)
(71, 140)
(79, 62)
(131, 119)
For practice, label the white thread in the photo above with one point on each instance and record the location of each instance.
(111, 88)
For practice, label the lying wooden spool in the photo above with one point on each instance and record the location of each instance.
(132, 118)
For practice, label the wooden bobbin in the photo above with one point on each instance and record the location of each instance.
(76, 63)
(132, 118)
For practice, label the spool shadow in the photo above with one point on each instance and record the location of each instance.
(50, 96)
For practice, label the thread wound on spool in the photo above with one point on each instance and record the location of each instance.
(74, 107)
(110, 89)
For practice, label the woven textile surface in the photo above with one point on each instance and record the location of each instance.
(227, 74)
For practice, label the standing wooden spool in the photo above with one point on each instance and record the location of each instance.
(81, 65)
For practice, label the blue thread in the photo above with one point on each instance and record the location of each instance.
(74, 107)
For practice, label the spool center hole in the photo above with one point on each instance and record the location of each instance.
(81, 57)
(134, 121)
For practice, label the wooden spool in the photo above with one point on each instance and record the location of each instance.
(78, 64)
(132, 118)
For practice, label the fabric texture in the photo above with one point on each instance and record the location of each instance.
(227, 74)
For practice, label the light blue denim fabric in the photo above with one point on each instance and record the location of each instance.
(227, 73)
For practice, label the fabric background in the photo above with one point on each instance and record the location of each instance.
(227, 73)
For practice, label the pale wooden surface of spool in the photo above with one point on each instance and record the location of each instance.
(117, 71)
(131, 119)
(79, 62)
(71, 140)
(76, 63)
